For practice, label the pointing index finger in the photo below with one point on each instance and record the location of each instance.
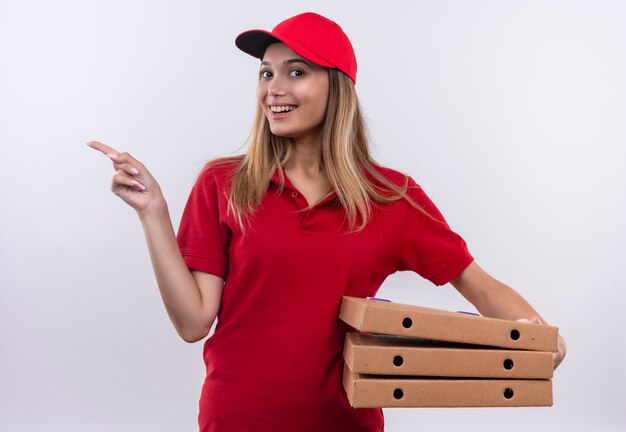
(105, 149)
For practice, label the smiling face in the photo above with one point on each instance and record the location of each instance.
(292, 92)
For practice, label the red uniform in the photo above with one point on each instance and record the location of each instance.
(274, 362)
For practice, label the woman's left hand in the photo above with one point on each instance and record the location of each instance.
(494, 299)
(561, 346)
(559, 355)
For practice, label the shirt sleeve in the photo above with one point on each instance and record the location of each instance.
(203, 236)
(429, 246)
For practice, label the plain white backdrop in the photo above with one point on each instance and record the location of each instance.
(510, 114)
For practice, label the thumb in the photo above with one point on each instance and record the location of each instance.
(533, 320)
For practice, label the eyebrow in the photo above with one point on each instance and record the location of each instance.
(291, 61)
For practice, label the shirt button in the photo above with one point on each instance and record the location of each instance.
(294, 194)
(301, 216)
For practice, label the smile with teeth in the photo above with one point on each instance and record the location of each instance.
(281, 109)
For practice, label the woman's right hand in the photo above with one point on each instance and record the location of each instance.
(132, 182)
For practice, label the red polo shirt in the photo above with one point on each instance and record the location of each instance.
(275, 360)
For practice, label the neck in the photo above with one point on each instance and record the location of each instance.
(306, 155)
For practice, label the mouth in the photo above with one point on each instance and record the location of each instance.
(282, 109)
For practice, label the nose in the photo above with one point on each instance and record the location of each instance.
(276, 87)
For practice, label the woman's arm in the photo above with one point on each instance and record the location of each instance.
(494, 299)
(191, 298)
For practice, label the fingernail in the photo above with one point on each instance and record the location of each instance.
(522, 320)
(134, 171)
(139, 185)
(111, 155)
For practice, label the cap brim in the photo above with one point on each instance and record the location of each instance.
(255, 42)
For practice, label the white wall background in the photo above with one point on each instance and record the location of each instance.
(511, 114)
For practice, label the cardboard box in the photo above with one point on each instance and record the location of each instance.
(374, 316)
(367, 391)
(393, 355)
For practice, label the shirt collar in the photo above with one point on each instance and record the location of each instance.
(276, 177)
(276, 180)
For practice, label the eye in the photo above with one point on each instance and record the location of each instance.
(265, 74)
(296, 73)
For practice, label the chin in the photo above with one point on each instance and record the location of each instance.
(284, 132)
(291, 133)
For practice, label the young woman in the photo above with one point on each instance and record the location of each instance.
(270, 241)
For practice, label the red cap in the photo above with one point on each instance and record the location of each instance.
(311, 36)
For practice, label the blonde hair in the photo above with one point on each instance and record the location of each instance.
(346, 161)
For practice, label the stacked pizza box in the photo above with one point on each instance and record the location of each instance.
(412, 356)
